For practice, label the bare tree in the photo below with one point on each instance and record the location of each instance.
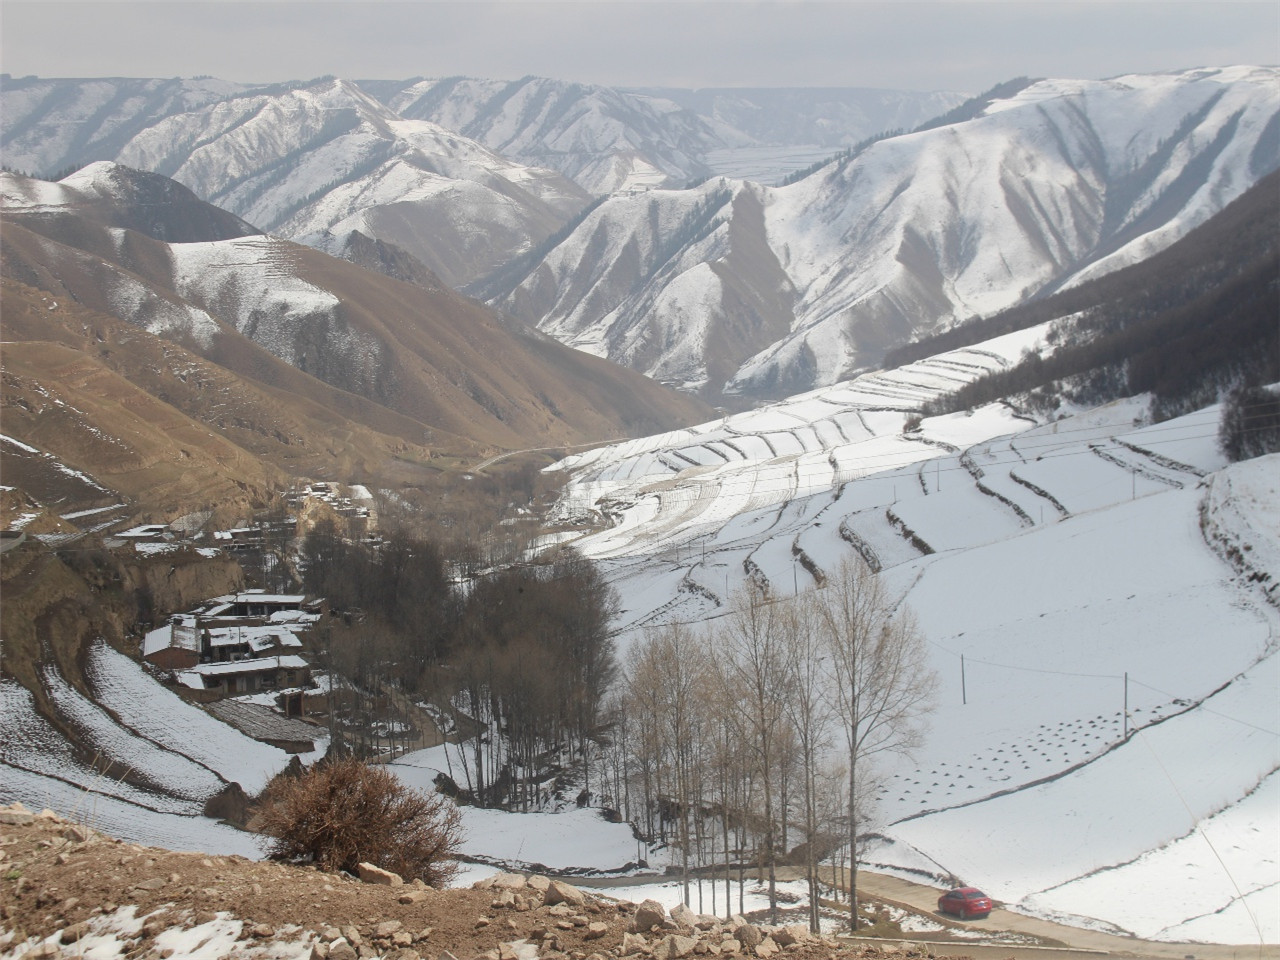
(883, 684)
(752, 651)
(810, 713)
(665, 673)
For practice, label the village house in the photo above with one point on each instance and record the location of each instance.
(247, 676)
(239, 643)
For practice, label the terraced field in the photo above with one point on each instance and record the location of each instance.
(1099, 595)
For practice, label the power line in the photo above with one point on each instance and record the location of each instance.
(1201, 706)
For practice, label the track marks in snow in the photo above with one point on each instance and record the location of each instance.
(123, 753)
(146, 708)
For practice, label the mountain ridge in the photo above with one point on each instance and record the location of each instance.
(396, 369)
(1062, 181)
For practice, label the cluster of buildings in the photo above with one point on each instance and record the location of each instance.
(240, 643)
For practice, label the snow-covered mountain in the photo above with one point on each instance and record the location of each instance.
(316, 162)
(605, 139)
(139, 248)
(743, 289)
(117, 197)
(610, 140)
(50, 124)
(326, 164)
(602, 138)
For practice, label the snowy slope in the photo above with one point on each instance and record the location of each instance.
(156, 759)
(47, 125)
(315, 162)
(1058, 183)
(132, 696)
(612, 140)
(1077, 567)
(577, 839)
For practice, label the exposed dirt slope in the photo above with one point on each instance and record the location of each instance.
(63, 883)
(157, 422)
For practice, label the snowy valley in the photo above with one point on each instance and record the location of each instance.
(1096, 582)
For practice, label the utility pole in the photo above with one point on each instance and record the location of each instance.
(964, 698)
(1126, 706)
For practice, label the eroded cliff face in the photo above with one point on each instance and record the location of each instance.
(56, 602)
(176, 581)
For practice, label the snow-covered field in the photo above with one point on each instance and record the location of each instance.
(575, 839)
(174, 756)
(121, 819)
(1060, 572)
(181, 727)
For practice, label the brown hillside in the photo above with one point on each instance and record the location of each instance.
(157, 423)
(428, 355)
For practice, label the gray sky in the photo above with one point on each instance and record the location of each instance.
(909, 44)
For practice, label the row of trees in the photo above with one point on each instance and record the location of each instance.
(521, 654)
(768, 723)
(752, 739)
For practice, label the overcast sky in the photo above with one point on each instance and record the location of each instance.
(909, 44)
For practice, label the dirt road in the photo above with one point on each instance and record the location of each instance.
(1065, 942)
(1076, 941)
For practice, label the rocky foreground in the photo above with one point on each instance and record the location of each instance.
(69, 891)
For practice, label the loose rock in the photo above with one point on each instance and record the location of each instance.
(374, 874)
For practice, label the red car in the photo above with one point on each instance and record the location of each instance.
(965, 903)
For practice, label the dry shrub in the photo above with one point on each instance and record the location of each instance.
(342, 813)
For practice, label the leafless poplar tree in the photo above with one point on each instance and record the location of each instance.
(752, 651)
(666, 700)
(810, 715)
(883, 684)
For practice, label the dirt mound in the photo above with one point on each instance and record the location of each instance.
(68, 889)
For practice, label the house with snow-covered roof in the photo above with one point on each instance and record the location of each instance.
(259, 603)
(262, 634)
(175, 645)
(247, 676)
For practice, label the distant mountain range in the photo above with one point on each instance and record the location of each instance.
(610, 140)
(463, 175)
(732, 289)
(605, 139)
(760, 292)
